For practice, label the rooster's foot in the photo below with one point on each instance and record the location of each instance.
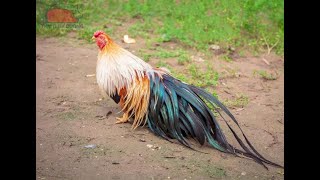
(123, 119)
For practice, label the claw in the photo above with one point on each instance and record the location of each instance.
(123, 119)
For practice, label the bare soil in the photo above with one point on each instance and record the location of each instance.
(71, 114)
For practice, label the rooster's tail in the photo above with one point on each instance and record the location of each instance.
(178, 110)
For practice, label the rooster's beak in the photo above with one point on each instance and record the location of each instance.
(93, 38)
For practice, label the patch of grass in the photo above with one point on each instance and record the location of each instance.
(145, 56)
(163, 64)
(181, 76)
(193, 69)
(73, 111)
(149, 43)
(208, 169)
(215, 94)
(139, 29)
(226, 58)
(182, 55)
(241, 53)
(203, 79)
(197, 24)
(239, 101)
(200, 23)
(230, 73)
(163, 53)
(165, 38)
(214, 172)
(267, 76)
(206, 79)
(183, 58)
(97, 151)
(67, 116)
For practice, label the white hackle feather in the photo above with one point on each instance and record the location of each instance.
(119, 69)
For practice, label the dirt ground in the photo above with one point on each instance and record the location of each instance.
(71, 114)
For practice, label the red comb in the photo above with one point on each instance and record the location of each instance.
(97, 33)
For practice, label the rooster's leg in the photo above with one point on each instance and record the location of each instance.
(123, 119)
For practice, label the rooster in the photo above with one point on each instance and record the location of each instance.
(172, 109)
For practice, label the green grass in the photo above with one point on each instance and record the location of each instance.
(139, 29)
(181, 76)
(197, 24)
(226, 58)
(205, 78)
(202, 78)
(230, 73)
(164, 53)
(182, 56)
(264, 75)
(162, 63)
(67, 116)
(239, 101)
(214, 172)
(210, 170)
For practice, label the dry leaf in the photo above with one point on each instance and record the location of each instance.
(128, 40)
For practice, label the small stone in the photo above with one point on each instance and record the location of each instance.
(200, 59)
(91, 146)
(223, 156)
(243, 173)
(214, 47)
(232, 48)
(149, 145)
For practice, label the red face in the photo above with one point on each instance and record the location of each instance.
(100, 38)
